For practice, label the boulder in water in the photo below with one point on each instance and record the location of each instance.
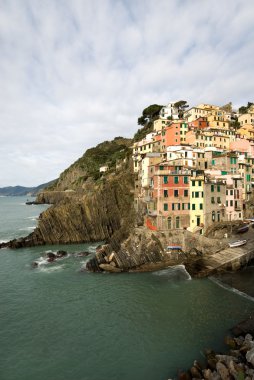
(50, 254)
(110, 268)
(83, 254)
(61, 253)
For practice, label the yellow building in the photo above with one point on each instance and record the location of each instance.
(148, 161)
(216, 116)
(218, 120)
(197, 204)
(246, 118)
(159, 124)
(208, 138)
(246, 132)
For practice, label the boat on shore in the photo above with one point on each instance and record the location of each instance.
(174, 248)
(243, 229)
(237, 243)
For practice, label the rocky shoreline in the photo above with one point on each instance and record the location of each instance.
(236, 364)
(146, 250)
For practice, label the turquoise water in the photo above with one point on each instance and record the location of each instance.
(58, 322)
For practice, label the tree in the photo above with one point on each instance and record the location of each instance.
(181, 106)
(149, 114)
(227, 107)
(244, 109)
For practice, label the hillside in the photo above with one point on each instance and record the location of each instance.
(22, 190)
(87, 168)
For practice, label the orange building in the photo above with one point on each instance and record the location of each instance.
(199, 123)
(175, 133)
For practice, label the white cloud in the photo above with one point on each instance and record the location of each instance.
(75, 73)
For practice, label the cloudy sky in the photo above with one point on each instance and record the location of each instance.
(74, 73)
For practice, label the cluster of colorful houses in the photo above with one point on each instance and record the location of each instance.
(194, 171)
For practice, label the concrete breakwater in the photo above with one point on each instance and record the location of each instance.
(229, 259)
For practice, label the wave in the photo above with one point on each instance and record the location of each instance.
(92, 248)
(177, 272)
(4, 241)
(34, 218)
(50, 269)
(230, 288)
(27, 228)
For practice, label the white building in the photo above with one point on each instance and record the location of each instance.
(169, 111)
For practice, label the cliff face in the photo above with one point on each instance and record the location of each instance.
(146, 250)
(88, 205)
(95, 216)
(90, 217)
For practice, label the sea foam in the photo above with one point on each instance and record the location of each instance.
(177, 272)
(230, 288)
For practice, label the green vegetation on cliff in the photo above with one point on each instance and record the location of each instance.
(109, 153)
(149, 114)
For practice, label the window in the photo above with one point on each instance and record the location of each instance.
(165, 207)
(196, 194)
(212, 200)
(165, 179)
(218, 216)
(161, 167)
(169, 223)
(213, 216)
(193, 183)
(185, 193)
(218, 200)
(201, 206)
(165, 193)
(231, 192)
(213, 162)
(188, 206)
(212, 188)
(199, 183)
(178, 222)
(173, 206)
(179, 206)
(231, 203)
(176, 193)
(218, 188)
(176, 180)
(193, 207)
(185, 180)
(232, 160)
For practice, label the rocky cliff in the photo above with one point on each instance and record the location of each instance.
(146, 250)
(85, 217)
(93, 206)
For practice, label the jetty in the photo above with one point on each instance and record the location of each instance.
(224, 260)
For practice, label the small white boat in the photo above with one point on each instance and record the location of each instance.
(237, 243)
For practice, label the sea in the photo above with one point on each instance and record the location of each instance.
(59, 322)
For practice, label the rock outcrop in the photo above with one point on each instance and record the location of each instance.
(79, 217)
(146, 250)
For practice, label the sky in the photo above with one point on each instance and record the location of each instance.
(74, 73)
